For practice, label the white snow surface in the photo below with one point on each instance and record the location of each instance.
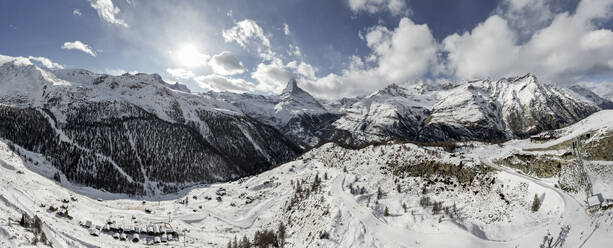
(482, 219)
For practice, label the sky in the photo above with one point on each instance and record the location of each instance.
(334, 48)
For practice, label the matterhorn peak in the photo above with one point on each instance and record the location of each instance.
(291, 88)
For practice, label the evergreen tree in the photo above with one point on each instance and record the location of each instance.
(245, 243)
(281, 235)
(379, 193)
(536, 203)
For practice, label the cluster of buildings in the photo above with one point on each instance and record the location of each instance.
(151, 233)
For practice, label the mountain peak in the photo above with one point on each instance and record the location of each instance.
(291, 88)
(528, 77)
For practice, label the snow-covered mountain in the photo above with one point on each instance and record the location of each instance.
(127, 125)
(132, 133)
(294, 112)
(589, 95)
(473, 110)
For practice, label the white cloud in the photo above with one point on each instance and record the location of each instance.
(226, 64)
(107, 11)
(272, 77)
(80, 46)
(248, 34)
(294, 50)
(115, 71)
(527, 16)
(406, 53)
(395, 7)
(46, 62)
(303, 70)
(557, 46)
(569, 48)
(76, 12)
(221, 83)
(489, 50)
(286, 29)
(180, 73)
(245, 32)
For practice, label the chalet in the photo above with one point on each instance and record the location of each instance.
(123, 236)
(593, 203)
(157, 240)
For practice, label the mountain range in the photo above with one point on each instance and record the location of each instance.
(137, 134)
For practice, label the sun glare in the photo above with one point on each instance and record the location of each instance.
(188, 55)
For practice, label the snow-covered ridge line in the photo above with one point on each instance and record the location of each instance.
(90, 112)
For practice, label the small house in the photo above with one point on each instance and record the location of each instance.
(594, 202)
(135, 238)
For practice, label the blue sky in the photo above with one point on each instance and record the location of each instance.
(335, 48)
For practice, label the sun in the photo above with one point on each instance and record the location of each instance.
(188, 55)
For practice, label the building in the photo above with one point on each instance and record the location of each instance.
(594, 202)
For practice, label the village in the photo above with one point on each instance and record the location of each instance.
(136, 231)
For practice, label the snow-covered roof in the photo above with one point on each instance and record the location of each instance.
(594, 200)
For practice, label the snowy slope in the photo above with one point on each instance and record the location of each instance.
(589, 95)
(395, 111)
(602, 89)
(492, 207)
